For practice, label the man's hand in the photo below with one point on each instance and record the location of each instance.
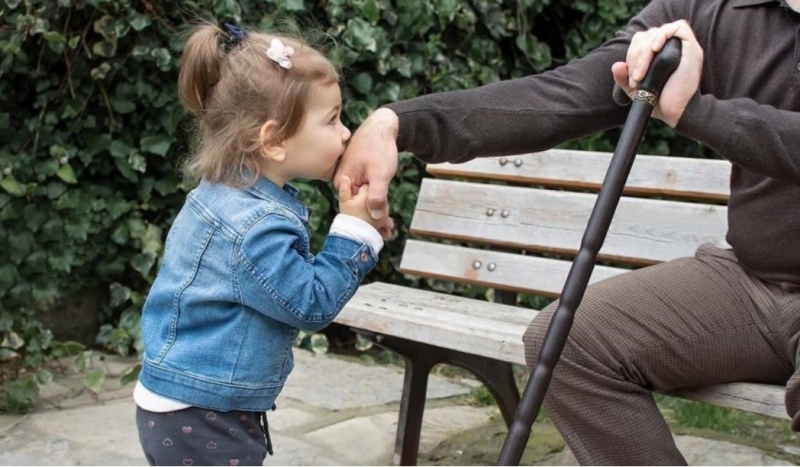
(353, 202)
(683, 83)
(371, 159)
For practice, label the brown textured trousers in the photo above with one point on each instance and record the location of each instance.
(692, 321)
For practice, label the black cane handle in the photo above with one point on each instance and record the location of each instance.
(664, 63)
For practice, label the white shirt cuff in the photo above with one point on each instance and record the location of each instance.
(356, 229)
(153, 402)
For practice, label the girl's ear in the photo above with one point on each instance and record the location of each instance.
(271, 150)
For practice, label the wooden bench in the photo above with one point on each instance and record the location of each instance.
(513, 226)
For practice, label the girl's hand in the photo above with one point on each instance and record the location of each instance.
(356, 206)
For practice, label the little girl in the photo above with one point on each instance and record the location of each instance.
(238, 281)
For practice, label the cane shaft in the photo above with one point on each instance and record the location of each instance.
(583, 265)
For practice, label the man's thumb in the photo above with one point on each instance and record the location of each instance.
(376, 202)
(345, 193)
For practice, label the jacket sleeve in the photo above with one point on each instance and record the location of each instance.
(527, 114)
(303, 291)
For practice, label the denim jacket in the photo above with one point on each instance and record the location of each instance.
(237, 282)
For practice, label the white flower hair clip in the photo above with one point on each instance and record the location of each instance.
(280, 53)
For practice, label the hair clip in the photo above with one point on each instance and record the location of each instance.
(235, 36)
(280, 53)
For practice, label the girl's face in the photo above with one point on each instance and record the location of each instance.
(314, 150)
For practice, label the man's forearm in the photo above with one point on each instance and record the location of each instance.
(760, 138)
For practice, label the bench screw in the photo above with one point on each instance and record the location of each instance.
(491, 266)
(476, 265)
(503, 161)
(490, 212)
(518, 162)
(504, 213)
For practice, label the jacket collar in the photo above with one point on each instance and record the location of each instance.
(286, 196)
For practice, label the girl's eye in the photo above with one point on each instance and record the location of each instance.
(334, 120)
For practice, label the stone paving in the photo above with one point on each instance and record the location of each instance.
(333, 411)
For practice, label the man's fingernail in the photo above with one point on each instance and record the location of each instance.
(375, 214)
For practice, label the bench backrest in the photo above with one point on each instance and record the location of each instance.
(517, 221)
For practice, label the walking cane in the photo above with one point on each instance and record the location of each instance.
(645, 98)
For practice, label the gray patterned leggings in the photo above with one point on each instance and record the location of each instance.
(196, 436)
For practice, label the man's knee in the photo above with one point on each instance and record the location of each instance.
(589, 315)
(534, 335)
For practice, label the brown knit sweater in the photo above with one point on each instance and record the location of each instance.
(746, 111)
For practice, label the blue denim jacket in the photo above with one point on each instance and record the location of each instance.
(236, 284)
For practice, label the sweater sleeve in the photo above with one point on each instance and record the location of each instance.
(760, 138)
(527, 114)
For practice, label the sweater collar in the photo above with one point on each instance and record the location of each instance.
(747, 3)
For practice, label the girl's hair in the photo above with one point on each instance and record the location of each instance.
(233, 88)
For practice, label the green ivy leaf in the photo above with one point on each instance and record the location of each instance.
(293, 5)
(362, 82)
(158, 144)
(80, 362)
(137, 162)
(55, 41)
(105, 48)
(7, 355)
(360, 35)
(122, 105)
(163, 58)
(319, 344)
(94, 379)
(66, 174)
(118, 148)
(23, 391)
(106, 26)
(130, 375)
(143, 263)
(47, 167)
(119, 294)
(139, 21)
(100, 72)
(12, 186)
(12, 340)
(43, 377)
(67, 349)
(371, 11)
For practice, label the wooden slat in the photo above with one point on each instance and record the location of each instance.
(473, 326)
(701, 179)
(518, 273)
(495, 331)
(644, 231)
(765, 399)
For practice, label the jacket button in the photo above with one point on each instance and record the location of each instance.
(364, 257)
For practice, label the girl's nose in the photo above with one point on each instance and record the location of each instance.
(345, 134)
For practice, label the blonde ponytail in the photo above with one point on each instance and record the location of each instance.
(200, 67)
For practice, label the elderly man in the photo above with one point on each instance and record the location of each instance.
(722, 315)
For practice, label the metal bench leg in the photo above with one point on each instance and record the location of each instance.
(497, 376)
(419, 360)
(412, 407)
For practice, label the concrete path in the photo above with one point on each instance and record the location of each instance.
(333, 411)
